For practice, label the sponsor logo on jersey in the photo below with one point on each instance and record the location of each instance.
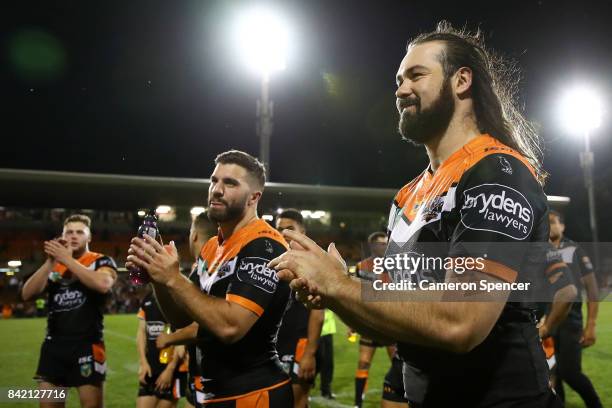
(67, 299)
(154, 329)
(432, 208)
(497, 208)
(268, 246)
(255, 271)
(505, 165)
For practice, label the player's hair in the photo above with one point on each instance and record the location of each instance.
(78, 218)
(203, 224)
(558, 215)
(494, 89)
(251, 164)
(375, 235)
(292, 214)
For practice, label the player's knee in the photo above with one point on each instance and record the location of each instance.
(363, 365)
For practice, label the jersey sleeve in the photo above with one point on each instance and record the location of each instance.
(558, 274)
(583, 261)
(106, 261)
(502, 209)
(255, 284)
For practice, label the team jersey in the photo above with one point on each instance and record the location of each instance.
(483, 200)
(365, 269)
(155, 324)
(557, 273)
(580, 264)
(76, 312)
(237, 270)
(192, 350)
(293, 327)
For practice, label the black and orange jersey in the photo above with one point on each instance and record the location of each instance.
(293, 328)
(483, 201)
(365, 269)
(236, 269)
(580, 265)
(76, 312)
(558, 276)
(155, 323)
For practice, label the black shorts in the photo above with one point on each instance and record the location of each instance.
(277, 396)
(393, 386)
(71, 363)
(176, 391)
(290, 360)
(364, 341)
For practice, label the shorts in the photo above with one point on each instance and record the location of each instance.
(393, 386)
(364, 341)
(276, 396)
(291, 361)
(179, 385)
(71, 363)
(195, 395)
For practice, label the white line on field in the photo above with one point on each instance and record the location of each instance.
(120, 335)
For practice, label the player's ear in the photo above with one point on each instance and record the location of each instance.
(254, 197)
(462, 81)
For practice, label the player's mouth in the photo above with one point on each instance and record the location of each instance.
(216, 204)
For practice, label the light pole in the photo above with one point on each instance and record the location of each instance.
(581, 113)
(262, 39)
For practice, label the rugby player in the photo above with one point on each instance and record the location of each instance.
(300, 330)
(161, 384)
(77, 282)
(377, 243)
(571, 337)
(240, 301)
(481, 194)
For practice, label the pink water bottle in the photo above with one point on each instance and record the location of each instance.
(139, 276)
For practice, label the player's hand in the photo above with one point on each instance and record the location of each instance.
(308, 366)
(162, 341)
(144, 371)
(161, 262)
(315, 271)
(58, 250)
(164, 381)
(543, 331)
(588, 336)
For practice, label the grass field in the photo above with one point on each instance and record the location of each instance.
(20, 341)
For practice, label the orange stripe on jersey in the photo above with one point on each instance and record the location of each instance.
(246, 303)
(141, 314)
(548, 344)
(256, 392)
(499, 270)
(86, 259)
(215, 252)
(428, 185)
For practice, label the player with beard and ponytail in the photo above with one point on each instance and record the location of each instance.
(239, 301)
(480, 197)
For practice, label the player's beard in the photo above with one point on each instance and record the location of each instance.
(421, 126)
(230, 212)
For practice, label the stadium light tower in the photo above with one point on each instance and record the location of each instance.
(262, 38)
(581, 113)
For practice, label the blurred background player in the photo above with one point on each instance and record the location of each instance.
(571, 336)
(77, 281)
(377, 244)
(240, 302)
(325, 354)
(162, 375)
(199, 233)
(300, 330)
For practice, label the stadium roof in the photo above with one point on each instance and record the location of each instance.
(55, 189)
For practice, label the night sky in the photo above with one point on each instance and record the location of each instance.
(155, 88)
